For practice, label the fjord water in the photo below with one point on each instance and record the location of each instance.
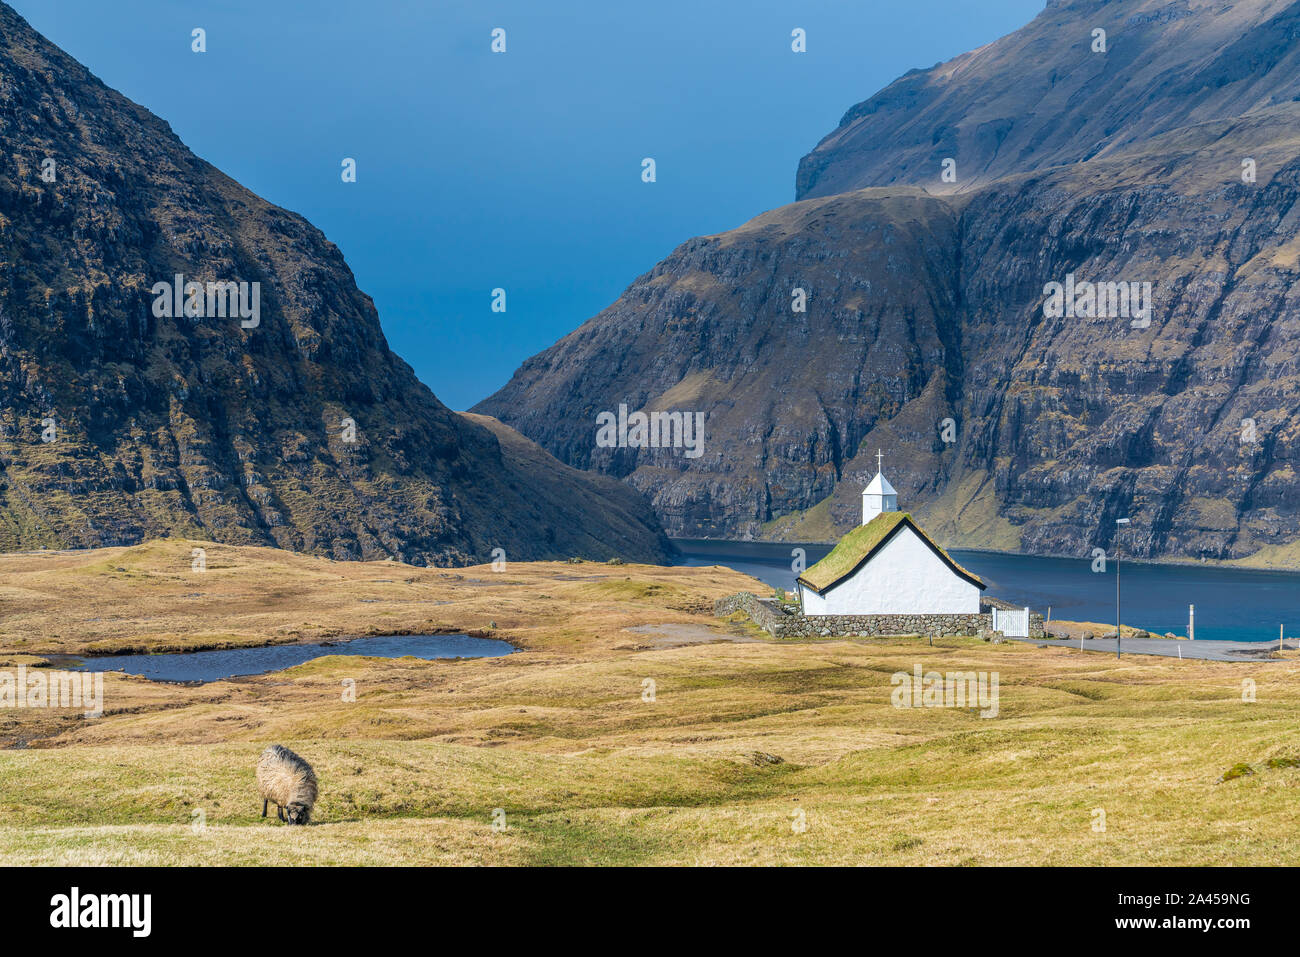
(203, 666)
(1232, 604)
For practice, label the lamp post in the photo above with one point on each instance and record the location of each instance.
(1119, 560)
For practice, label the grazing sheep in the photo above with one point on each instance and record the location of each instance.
(289, 782)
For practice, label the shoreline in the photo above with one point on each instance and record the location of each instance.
(84, 663)
(135, 649)
(1243, 564)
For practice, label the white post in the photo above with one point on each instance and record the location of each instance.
(1191, 622)
(1279, 637)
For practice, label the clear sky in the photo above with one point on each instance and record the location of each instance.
(519, 170)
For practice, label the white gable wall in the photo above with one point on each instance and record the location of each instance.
(905, 577)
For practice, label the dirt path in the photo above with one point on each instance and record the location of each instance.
(677, 636)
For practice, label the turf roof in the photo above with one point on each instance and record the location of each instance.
(858, 545)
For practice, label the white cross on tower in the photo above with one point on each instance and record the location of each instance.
(879, 496)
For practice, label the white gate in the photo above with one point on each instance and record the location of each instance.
(1013, 624)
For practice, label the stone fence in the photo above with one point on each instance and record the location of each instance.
(766, 613)
(784, 622)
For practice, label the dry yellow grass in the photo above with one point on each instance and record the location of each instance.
(147, 598)
(560, 743)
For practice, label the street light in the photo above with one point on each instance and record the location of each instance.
(1119, 559)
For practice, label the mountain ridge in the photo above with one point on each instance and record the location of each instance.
(1041, 97)
(199, 426)
(926, 307)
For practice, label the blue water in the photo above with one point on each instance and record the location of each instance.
(1232, 604)
(206, 666)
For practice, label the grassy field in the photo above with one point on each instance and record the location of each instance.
(748, 751)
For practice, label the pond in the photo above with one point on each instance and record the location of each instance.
(204, 666)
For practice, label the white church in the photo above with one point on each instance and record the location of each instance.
(888, 566)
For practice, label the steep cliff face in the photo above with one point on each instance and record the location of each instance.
(714, 329)
(301, 429)
(1188, 424)
(1005, 425)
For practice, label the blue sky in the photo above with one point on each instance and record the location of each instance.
(519, 170)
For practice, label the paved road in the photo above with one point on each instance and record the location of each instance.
(1205, 650)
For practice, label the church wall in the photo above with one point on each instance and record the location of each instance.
(905, 577)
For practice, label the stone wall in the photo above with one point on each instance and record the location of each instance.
(766, 613)
(780, 623)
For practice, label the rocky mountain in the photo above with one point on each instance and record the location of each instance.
(930, 331)
(1048, 96)
(127, 412)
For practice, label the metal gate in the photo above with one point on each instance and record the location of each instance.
(1013, 624)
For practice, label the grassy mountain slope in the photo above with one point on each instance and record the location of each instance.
(197, 426)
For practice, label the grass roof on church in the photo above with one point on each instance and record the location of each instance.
(855, 547)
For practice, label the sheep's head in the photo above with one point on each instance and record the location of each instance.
(298, 813)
